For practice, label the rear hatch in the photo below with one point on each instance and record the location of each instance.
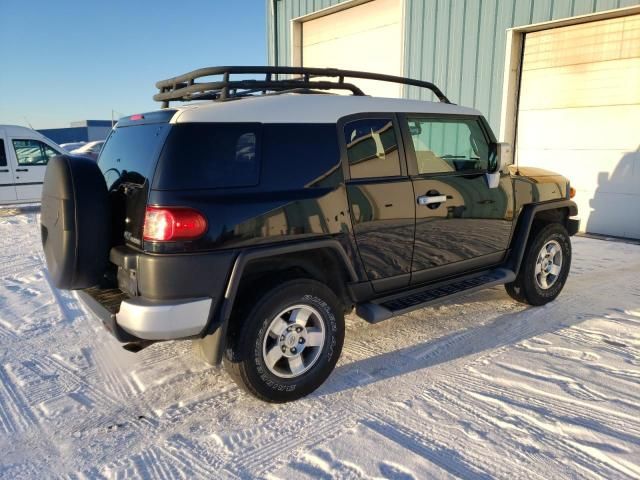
(128, 161)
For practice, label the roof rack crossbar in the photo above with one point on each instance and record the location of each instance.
(185, 88)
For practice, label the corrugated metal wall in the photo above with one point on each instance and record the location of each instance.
(458, 44)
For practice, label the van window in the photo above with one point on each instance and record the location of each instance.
(372, 148)
(3, 155)
(209, 155)
(33, 152)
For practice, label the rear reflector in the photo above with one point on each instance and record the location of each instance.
(166, 224)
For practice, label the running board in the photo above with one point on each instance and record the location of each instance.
(393, 305)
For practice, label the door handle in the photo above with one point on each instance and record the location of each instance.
(4, 170)
(22, 169)
(431, 199)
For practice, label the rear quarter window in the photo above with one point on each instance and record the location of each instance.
(299, 155)
(207, 155)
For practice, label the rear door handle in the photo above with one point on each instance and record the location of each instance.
(22, 169)
(4, 170)
(431, 199)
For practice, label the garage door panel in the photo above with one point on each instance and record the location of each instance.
(365, 52)
(586, 168)
(366, 37)
(582, 85)
(579, 115)
(613, 214)
(352, 20)
(583, 43)
(606, 127)
(631, 36)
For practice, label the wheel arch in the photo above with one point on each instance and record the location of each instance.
(532, 217)
(323, 260)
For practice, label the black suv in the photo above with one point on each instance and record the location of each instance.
(253, 220)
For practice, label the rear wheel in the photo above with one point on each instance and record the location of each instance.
(289, 342)
(545, 267)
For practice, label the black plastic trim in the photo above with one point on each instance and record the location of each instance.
(18, 184)
(107, 318)
(221, 322)
(523, 228)
(573, 225)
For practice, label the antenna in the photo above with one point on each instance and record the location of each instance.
(27, 120)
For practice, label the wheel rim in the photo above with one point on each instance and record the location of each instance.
(294, 341)
(548, 265)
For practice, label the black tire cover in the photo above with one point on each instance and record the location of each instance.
(75, 222)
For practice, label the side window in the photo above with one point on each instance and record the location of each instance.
(3, 155)
(32, 152)
(206, 155)
(372, 148)
(444, 146)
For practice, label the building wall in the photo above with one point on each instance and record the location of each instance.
(457, 44)
(81, 131)
(66, 135)
(98, 133)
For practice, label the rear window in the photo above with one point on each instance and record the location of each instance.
(130, 153)
(205, 155)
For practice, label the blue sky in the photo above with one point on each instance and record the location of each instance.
(68, 60)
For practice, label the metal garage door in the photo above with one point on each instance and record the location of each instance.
(366, 37)
(579, 114)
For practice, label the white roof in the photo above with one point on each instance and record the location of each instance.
(306, 108)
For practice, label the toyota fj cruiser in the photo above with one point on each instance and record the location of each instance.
(252, 220)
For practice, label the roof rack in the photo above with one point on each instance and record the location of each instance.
(185, 88)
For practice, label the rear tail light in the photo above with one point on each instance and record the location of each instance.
(572, 192)
(166, 224)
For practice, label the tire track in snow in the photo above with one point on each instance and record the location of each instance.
(446, 458)
(505, 399)
(17, 411)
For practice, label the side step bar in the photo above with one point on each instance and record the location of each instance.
(393, 305)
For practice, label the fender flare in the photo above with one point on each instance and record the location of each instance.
(525, 222)
(213, 342)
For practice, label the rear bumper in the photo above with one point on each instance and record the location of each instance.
(139, 318)
(155, 320)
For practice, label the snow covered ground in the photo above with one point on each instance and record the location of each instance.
(478, 388)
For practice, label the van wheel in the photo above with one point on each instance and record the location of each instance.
(545, 267)
(289, 342)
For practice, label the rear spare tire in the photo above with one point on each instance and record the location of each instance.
(75, 222)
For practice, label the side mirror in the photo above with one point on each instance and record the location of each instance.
(501, 157)
(504, 156)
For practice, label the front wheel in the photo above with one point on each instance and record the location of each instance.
(545, 267)
(289, 343)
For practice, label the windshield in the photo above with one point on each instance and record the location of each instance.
(130, 153)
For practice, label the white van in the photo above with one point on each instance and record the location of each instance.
(24, 154)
